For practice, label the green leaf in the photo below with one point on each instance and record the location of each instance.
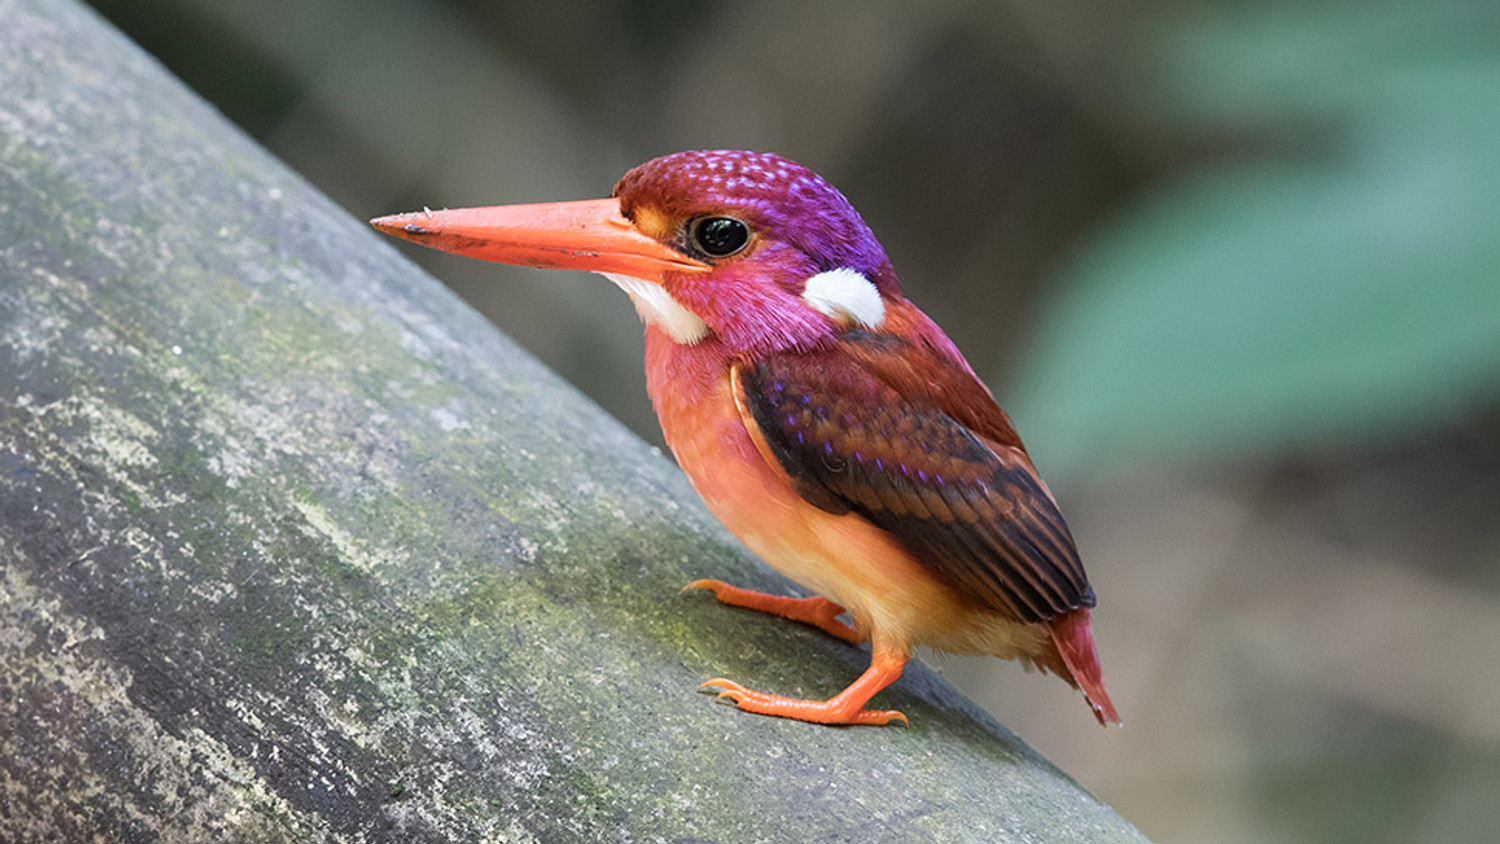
(1264, 305)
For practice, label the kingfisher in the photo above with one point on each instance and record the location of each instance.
(826, 421)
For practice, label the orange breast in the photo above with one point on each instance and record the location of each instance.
(843, 558)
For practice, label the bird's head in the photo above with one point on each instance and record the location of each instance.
(748, 248)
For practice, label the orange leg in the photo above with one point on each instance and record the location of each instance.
(847, 707)
(819, 612)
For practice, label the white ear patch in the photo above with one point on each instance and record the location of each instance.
(845, 294)
(657, 307)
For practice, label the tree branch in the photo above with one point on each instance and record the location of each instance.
(296, 547)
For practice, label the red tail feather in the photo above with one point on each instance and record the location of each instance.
(1074, 636)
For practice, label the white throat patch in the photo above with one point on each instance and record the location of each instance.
(657, 307)
(845, 294)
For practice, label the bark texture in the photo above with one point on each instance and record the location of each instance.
(295, 547)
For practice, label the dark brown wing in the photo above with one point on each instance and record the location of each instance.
(976, 517)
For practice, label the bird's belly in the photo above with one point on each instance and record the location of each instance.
(844, 558)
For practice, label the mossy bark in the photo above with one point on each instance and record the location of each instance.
(296, 547)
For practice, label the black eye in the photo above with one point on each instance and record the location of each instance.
(720, 237)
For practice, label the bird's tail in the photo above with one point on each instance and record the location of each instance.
(1074, 636)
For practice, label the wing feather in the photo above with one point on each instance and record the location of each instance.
(845, 425)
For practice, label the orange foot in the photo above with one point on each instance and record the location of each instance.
(819, 612)
(832, 711)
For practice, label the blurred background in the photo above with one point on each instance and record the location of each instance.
(1234, 268)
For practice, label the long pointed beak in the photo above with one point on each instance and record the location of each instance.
(588, 235)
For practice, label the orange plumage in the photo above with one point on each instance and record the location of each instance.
(821, 416)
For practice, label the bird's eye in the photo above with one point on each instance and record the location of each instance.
(720, 237)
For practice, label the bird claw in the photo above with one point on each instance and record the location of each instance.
(815, 711)
(815, 611)
(730, 690)
(704, 583)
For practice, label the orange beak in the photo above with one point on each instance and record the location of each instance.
(588, 235)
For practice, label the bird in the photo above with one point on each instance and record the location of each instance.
(823, 418)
